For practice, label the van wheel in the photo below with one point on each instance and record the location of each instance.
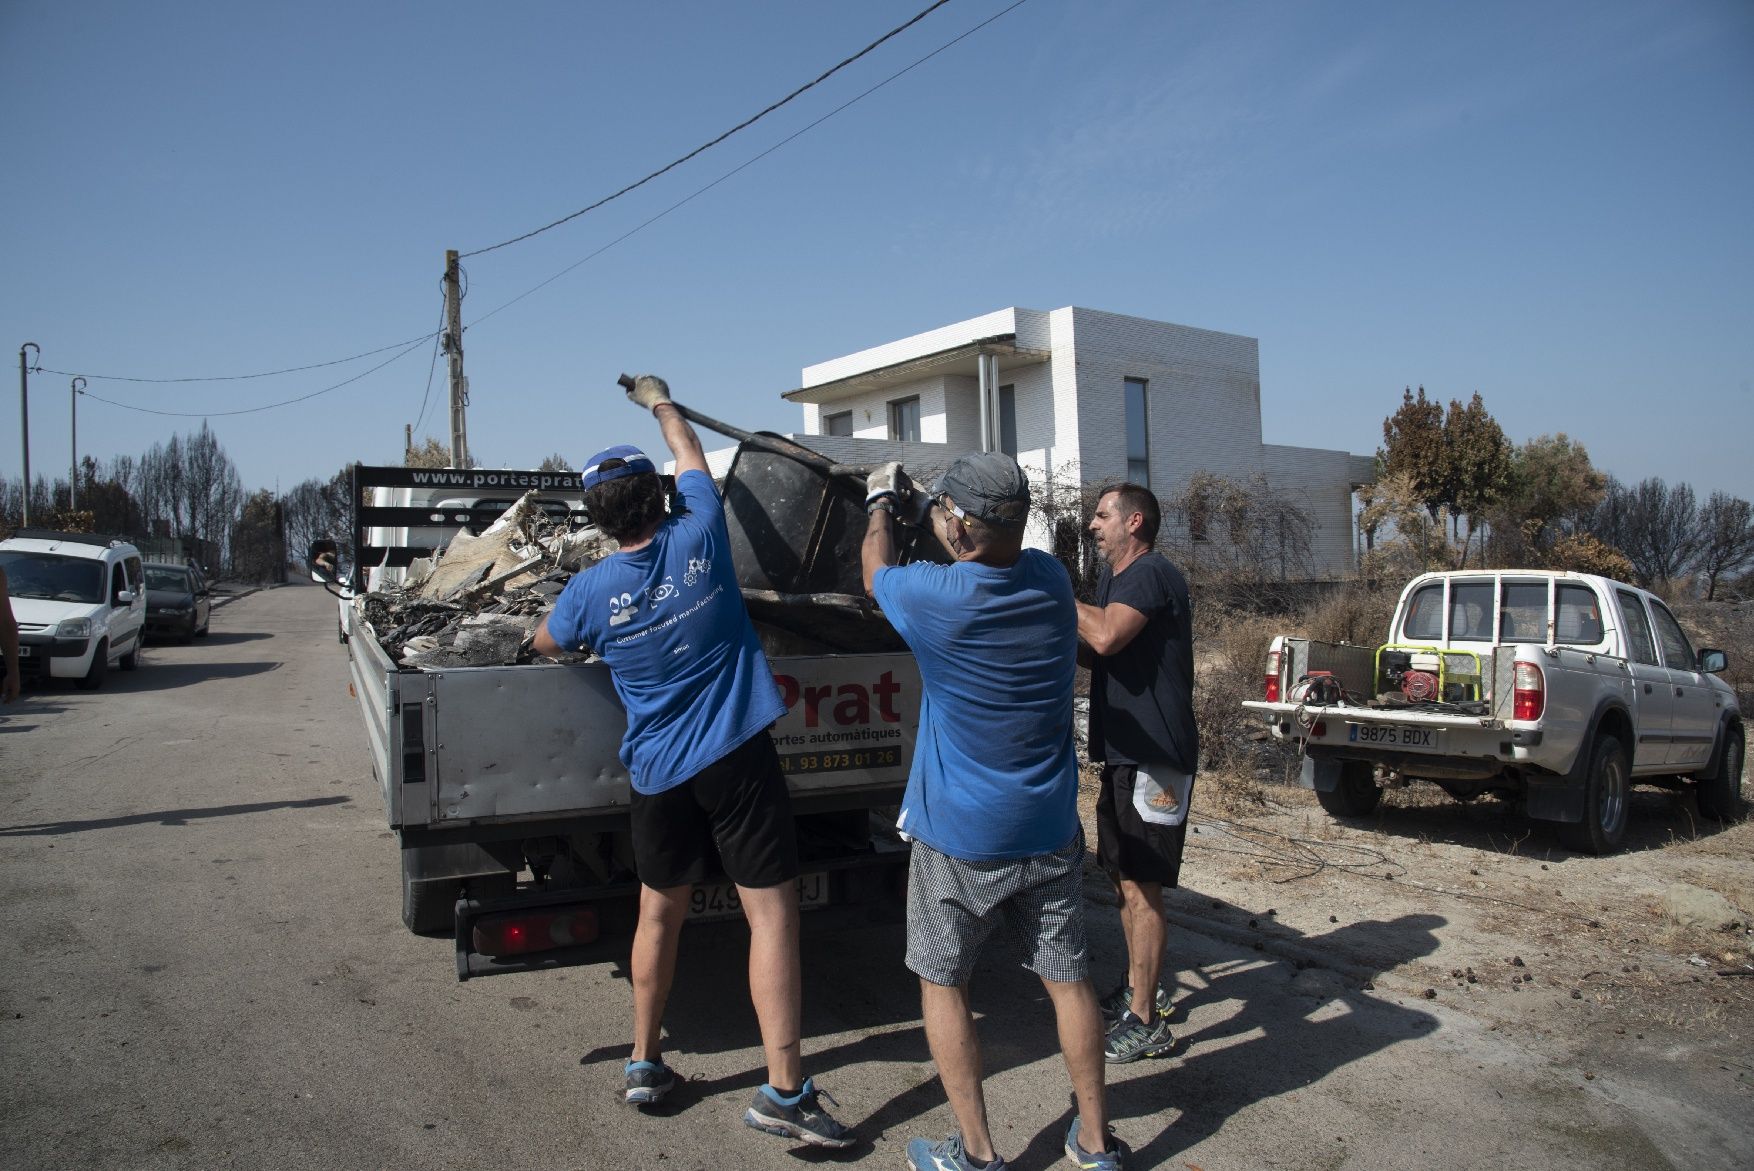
(1720, 795)
(100, 666)
(1607, 791)
(130, 660)
(1356, 794)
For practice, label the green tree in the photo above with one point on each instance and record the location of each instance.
(555, 463)
(1477, 464)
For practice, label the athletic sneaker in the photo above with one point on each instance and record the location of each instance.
(1130, 1038)
(1106, 1160)
(1121, 999)
(947, 1156)
(803, 1118)
(648, 1082)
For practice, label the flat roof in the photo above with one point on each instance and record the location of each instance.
(956, 360)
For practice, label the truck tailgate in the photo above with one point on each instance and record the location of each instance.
(1354, 714)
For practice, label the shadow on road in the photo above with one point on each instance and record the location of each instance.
(856, 983)
(163, 676)
(168, 817)
(233, 637)
(1656, 818)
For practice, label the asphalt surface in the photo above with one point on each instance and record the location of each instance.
(208, 970)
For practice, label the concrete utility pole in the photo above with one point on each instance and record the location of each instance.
(407, 440)
(24, 420)
(78, 384)
(454, 350)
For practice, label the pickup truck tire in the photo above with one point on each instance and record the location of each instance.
(429, 905)
(1720, 795)
(1607, 794)
(100, 666)
(1357, 793)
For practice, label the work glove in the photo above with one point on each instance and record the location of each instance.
(887, 487)
(648, 390)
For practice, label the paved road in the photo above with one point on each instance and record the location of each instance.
(207, 969)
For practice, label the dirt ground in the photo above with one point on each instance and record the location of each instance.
(1472, 906)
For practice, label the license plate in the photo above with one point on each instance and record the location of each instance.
(25, 652)
(720, 900)
(1397, 736)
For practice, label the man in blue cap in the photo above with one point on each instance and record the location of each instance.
(992, 795)
(666, 615)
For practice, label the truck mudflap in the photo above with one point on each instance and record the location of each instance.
(540, 929)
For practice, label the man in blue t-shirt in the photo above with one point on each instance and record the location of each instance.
(992, 797)
(1140, 637)
(666, 615)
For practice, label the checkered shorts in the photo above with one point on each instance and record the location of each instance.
(953, 906)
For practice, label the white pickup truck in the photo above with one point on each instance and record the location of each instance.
(1558, 689)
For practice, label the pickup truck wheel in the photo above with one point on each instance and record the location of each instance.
(1720, 795)
(100, 666)
(1607, 791)
(429, 906)
(1356, 794)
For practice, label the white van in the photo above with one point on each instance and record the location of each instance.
(80, 601)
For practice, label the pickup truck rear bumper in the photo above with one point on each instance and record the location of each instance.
(1438, 745)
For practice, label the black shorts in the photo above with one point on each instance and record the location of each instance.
(733, 817)
(1128, 846)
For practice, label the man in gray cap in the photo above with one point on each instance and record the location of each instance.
(992, 796)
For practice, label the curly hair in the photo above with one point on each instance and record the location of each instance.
(625, 508)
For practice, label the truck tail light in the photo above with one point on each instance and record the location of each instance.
(520, 932)
(1273, 676)
(1529, 694)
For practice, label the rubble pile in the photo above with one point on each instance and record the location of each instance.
(481, 602)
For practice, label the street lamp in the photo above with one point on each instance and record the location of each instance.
(24, 418)
(73, 478)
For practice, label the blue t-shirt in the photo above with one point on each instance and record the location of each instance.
(670, 622)
(994, 774)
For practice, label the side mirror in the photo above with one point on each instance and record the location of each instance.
(323, 558)
(1712, 661)
(125, 597)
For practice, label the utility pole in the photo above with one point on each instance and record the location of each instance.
(78, 385)
(24, 419)
(407, 440)
(454, 351)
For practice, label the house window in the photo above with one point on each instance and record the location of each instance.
(1008, 420)
(839, 423)
(904, 419)
(1138, 445)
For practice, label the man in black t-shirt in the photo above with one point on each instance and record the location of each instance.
(1139, 644)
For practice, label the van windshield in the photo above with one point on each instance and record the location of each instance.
(51, 576)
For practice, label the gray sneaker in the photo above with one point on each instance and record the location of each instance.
(805, 1120)
(1121, 999)
(1130, 1038)
(648, 1082)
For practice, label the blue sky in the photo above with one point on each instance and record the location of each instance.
(1547, 203)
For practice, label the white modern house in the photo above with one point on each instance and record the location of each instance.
(1079, 397)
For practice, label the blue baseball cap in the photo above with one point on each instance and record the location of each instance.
(633, 462)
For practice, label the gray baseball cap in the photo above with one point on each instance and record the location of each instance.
(988, 485)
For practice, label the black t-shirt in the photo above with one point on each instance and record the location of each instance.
(1142, 696)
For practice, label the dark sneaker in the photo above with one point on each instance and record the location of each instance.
(648, 1082)
(1130, 1038)
(1105, 1160)
(946, 1156)
(805, 1120)
(1121, 999)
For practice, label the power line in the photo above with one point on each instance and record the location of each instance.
(245, 377)
(419, 341)
(432, 365)
(747, 122)
(636, 229)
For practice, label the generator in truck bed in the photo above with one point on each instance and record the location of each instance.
(504, 783)
(1558, 690)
